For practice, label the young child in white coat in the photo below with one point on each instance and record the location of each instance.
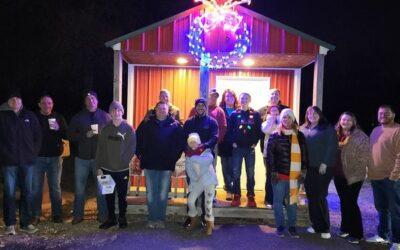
(199, 168)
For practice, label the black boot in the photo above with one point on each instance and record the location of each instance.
(122, 222)
(109, 223)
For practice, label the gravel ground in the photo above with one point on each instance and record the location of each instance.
(229, 236)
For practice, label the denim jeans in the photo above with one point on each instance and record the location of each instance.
(13, 176)
(52, 167)
(387, 203)
(249, 158)
(281, 193)
(157, 187)
(82, 170)
(226, 163)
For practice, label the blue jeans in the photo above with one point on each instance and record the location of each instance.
(52, 167)
(226, 163)
(13, 176)
(249, 158)
(281, 192)
(157, 187)
(82, 170)
(387, 203)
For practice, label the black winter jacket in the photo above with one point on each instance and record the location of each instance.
(52, 145)
(20, 137)
(279, 151)
(159, 143)
(244, 128)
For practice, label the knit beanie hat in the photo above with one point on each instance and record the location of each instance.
(287, 112)
(90, 93)
(194, 137)
(200, 100)
(116, 105)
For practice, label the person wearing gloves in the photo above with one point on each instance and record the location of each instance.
(115, 149)
(288, 161)
(268, 127)
(322, 145)
(199, 168)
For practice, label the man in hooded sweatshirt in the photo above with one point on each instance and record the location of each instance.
(20, 141)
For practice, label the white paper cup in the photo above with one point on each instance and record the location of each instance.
(52, 122)
(95, 128)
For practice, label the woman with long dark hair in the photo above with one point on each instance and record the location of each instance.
(349, 174)
(229, 104)
(322, 147)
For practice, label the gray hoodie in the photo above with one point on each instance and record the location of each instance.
(116, 147)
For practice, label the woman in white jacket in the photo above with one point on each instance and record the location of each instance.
(268, 127)
(199, 168)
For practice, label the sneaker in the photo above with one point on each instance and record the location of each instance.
(353, 240)
(30, 229)
(160, 224)
(280, 232)
(10, 230)
(268, 206)
(122, 222)
(186, 224)
(326, 236)
(395, 246)
(311, 230)
(108, 224)
(151, 224)
(377, 239)
(236, 201)
(251, 202)
(229, 197)
(58, 219)
(343, 234)
(293, 232)
(35, 221)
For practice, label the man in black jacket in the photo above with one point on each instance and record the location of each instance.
(83, 131)
(207, 128)
(49, 162)
(20, 140)
(159, 146)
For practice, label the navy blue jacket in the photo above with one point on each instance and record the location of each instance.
(80, 125)
(20, 137)
(159, 143)
(322, 145)
(206, 127)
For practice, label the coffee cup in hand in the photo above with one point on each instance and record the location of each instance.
(95, 128)
(52, 123)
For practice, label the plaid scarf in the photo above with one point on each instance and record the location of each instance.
(295, 169)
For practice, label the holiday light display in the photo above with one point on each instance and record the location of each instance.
(231, 21)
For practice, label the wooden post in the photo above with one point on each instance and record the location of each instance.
(296, 93)
(117, 81)
(318, 87)
(131, 94)
(204, 81)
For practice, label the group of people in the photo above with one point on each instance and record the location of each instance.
(311, 154)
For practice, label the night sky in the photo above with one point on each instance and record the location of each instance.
(57, 47)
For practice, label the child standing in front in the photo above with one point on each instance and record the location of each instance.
(199, 168)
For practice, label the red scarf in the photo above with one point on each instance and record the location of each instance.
(198, 151)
